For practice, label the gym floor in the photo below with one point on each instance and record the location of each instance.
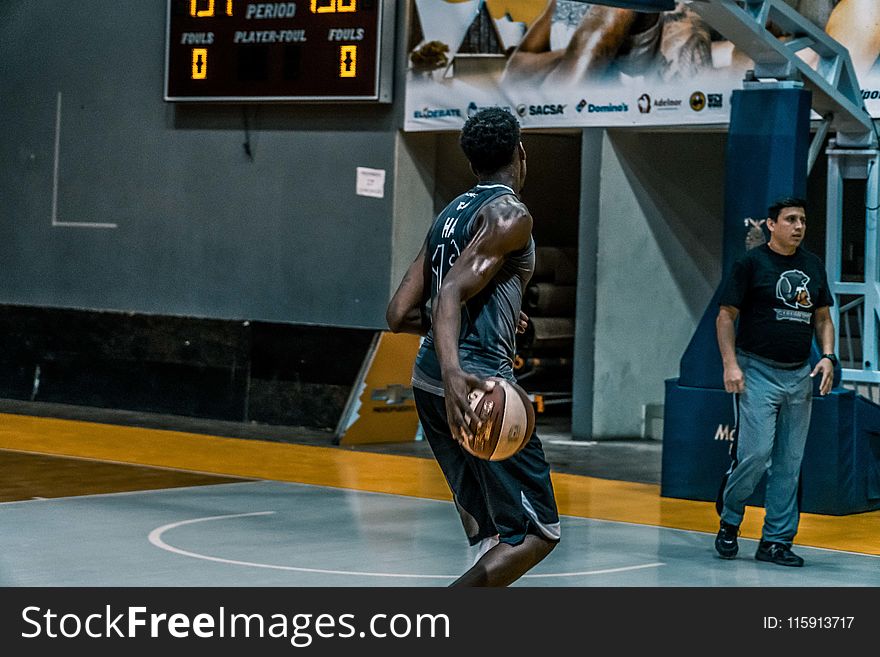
(94, 497)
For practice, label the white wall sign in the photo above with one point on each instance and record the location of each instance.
(371, 182)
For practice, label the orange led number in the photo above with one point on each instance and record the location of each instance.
(200, 63)
(202, 13)
(348, 61)
(333, 6)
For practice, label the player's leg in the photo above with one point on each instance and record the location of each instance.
(456, 466)
(506, 563)
(783, 477)
(758, 407)
(520, 500)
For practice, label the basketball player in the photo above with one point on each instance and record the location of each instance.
(475, 263)
(573, 41)
(780, 295)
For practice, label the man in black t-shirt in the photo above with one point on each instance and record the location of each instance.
(779, 292)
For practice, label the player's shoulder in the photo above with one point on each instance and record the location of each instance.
(506, 221)
(507, 208)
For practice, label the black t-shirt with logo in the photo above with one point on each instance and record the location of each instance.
(777, 297)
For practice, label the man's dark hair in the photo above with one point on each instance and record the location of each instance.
(489, 139)
(785, 202)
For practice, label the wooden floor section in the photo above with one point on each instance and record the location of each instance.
(38, 476)
(90, 450)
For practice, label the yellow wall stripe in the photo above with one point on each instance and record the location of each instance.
(586, 497)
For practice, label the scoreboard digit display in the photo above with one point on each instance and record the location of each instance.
(307, 50)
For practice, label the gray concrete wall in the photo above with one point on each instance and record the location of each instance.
(414, 175)
(658, 262)
(197, 227)
(584, 366)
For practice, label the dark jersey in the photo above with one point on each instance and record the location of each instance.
(488, 320)
(777, 297)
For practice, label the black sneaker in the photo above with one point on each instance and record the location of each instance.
(778, 553)
(725, 542)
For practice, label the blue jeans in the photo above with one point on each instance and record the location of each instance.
(774, 418)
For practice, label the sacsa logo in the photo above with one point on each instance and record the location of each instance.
(542, 110)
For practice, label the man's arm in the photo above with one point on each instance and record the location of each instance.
(825, 337)
(406, 311)
(726, 333)
(505, 226)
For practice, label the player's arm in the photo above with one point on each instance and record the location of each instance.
(532, 56)
(406, 311)
(725, 330)
(856, 24)
(825, 336)
(537, 37)
(505, 226)
(595, 43)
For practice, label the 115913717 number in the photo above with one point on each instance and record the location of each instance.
(809, 622)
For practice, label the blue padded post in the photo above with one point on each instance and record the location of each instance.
(767, 149)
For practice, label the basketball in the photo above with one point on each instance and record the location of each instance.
(508, 421)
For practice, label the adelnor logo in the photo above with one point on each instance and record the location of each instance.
(725, 433)
(645, 103)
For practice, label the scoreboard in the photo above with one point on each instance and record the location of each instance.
(308, 50)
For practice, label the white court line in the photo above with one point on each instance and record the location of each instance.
(73, 498)
(155, 537)
(145, 491)
(572, 443)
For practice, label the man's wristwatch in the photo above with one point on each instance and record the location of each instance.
(830, 357)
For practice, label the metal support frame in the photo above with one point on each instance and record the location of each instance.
(835, 88)
(852, 154)
(854, 164)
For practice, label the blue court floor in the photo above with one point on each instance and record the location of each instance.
(268, 533)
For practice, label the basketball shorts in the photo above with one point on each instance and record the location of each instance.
(510, 498)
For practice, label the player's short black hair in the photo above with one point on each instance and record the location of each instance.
(785, 202)
(490, 138)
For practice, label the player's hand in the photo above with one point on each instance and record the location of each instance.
(456, 386)
(523, 323)
(826, 369)
(733, 379)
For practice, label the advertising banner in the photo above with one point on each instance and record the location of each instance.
(569, 63)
